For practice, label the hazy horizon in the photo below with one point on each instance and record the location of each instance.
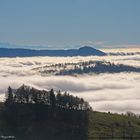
(63, 24)
(59, 47)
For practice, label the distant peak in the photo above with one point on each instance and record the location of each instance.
(86, 48)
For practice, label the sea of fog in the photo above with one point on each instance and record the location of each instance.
(118, 92)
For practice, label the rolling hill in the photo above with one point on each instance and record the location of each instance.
(20, 52)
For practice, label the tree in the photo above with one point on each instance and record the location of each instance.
(58, 99)
(9, 99)
(52, 98)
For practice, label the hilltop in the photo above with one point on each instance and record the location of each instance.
(31, 114)
(20, 52)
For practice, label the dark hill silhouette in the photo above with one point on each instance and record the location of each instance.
(19, 52)
(32, 114)
(45, 115)
(86, 50)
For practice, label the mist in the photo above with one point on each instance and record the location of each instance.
(118, 92)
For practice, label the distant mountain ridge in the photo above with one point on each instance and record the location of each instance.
(20, 52)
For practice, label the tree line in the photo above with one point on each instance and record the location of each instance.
(59, 114)
(28, 95)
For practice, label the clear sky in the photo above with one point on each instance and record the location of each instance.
(70, 22)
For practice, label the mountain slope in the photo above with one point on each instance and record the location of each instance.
(17, 52)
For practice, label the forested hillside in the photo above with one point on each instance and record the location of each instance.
(31, 114)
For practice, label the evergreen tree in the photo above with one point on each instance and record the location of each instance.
(9, 99)
(52, 98)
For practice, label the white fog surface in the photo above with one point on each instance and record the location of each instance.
(118, 92)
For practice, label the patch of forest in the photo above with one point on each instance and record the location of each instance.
(85, 68)
(38, 113)
(32, 114)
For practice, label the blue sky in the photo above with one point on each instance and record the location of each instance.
(67, 23)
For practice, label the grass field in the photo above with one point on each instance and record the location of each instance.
(113, 126)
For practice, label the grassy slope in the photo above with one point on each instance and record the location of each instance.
(112, 125)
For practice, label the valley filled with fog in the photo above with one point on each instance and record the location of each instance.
(106, 91)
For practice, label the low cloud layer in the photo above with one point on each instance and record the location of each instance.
(105, 92)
